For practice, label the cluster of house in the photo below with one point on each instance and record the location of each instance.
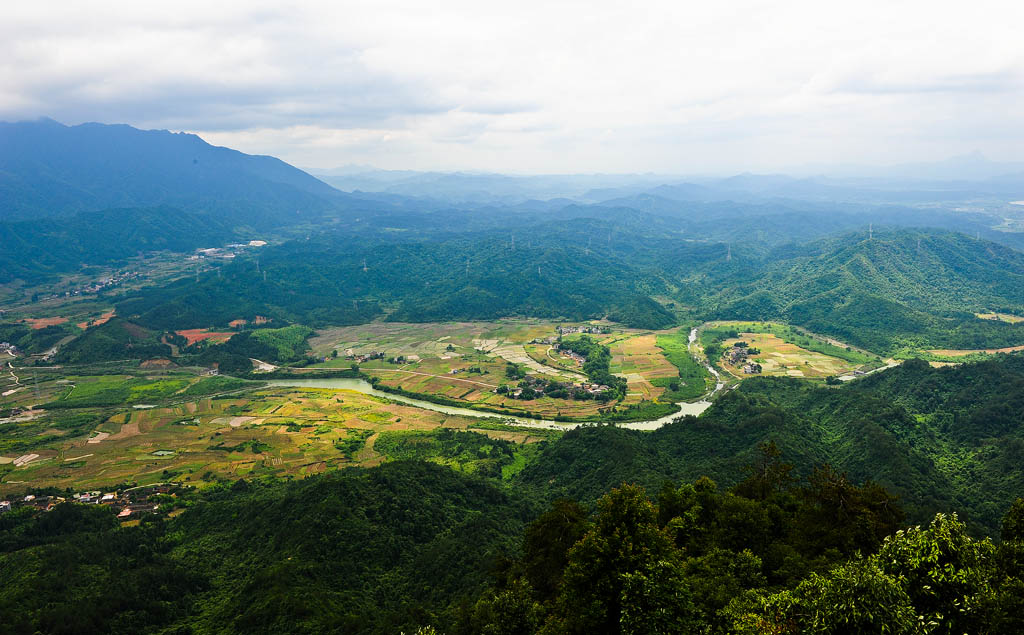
(573, 355)
(7, 347)
(740, 354)
(95, 287)
(566, 330)
(539, 385)
(363, 357)
(134, 501)
(545, 340)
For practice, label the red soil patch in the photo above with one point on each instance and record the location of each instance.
(157, 363)
(42, 323)
(103, 319)
(198, 335)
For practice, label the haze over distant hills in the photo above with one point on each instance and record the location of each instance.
(49, 169)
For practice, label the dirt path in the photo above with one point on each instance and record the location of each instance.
(563, 370)
(413, 372)
(17, 382)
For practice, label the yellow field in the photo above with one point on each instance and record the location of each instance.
(782, 359)
(638, 359)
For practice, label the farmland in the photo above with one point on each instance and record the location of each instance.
(785, 351)
(466, 362)
(264, 432)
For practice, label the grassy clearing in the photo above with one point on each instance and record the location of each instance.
(780, 358)
(1001, 317)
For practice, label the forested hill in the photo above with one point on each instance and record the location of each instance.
(903, 287)
(898, 288)
(49, 169)
(942, 439)
(46, 248)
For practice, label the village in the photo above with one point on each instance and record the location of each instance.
(739, 355)
(130, 502)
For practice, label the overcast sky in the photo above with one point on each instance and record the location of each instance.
(671, 87)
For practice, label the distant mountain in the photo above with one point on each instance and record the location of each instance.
(479, 187)
(49, 169)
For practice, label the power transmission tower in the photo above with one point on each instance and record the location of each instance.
(871, 231)
(364, 266)
(728, 253)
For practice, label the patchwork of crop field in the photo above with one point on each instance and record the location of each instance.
(467, 361)
(277, 432)
(155, 425)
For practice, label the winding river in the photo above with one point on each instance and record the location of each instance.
(359, 385)
(694, 408)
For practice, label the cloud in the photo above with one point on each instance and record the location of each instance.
(532, 86)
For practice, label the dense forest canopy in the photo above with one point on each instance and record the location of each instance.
(897, 289)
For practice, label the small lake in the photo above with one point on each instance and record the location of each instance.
(364, 387)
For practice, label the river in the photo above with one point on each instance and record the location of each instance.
(359, 385)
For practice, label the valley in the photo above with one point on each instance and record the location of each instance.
(236, 399)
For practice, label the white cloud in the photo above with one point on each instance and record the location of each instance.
(533, 86)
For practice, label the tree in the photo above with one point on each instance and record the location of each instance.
(768, 474)
(946, 573)
(547, 542)
(625, 539)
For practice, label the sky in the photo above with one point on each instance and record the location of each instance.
(534, 87)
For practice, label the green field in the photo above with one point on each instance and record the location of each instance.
(694, 379)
